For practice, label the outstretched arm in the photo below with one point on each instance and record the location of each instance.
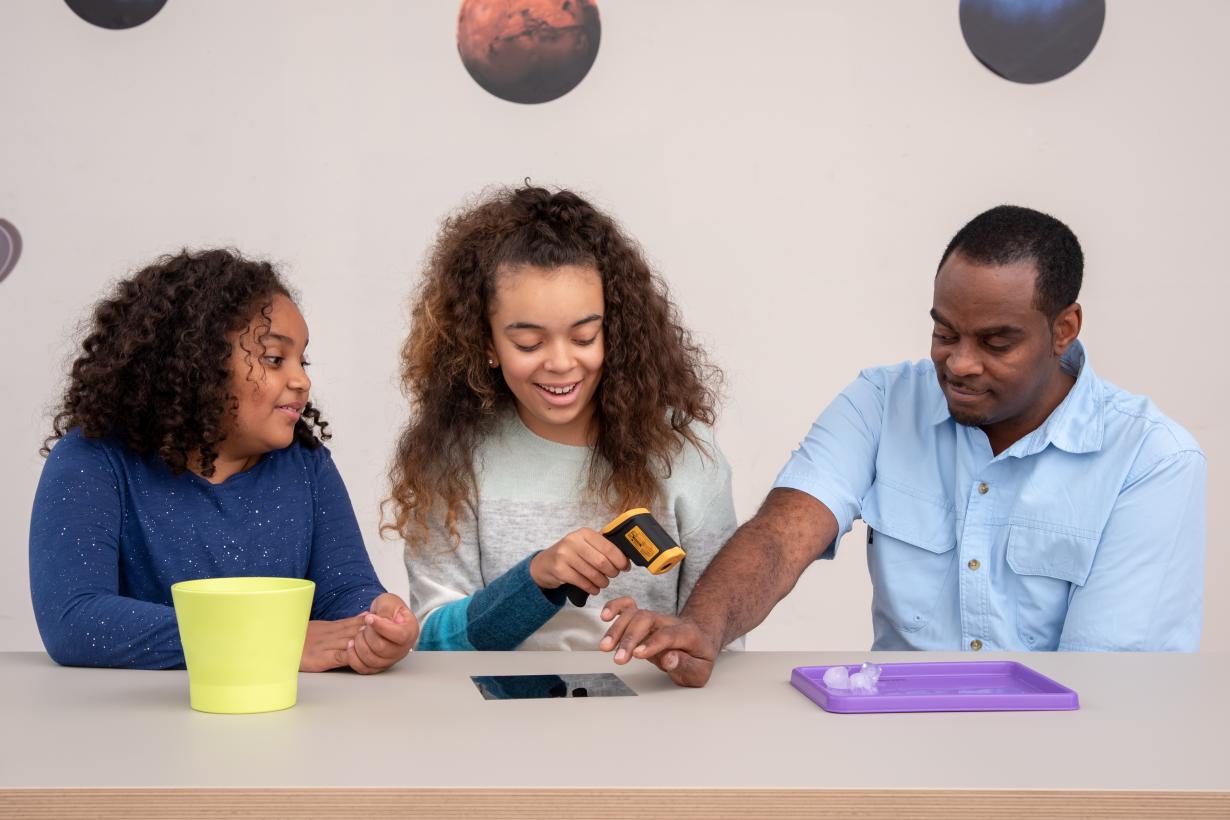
(815, 499)
(461, 610)
(757, 568)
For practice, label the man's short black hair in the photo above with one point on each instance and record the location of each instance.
(1008, 234)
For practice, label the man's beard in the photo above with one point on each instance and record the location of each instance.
(966, 419)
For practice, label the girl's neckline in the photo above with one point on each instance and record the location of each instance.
(231, 480)
(520, 428)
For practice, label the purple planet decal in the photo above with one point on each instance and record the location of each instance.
(116, 14)
(1032, 41)
(10, 248)
(528, 51)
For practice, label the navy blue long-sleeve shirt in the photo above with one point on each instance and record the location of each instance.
(113, 530)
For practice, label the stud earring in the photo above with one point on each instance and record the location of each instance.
(490, 362)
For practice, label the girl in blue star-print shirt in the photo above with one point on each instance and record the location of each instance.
(186, 447)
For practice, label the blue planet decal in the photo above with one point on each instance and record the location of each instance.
(116, 14)
(1032, 41)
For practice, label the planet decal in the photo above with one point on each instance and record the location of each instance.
(116, 14)
(1032, 41)
(528, 51)
(10, 248)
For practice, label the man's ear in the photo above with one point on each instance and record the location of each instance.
(1065, 328)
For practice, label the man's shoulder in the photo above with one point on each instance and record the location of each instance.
(907, 387)
(1134, 421)
(907, 373)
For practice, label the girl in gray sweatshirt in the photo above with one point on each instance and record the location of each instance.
(552, 387)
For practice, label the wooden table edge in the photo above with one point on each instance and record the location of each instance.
(679, 804)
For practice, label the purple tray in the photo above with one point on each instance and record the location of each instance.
(974, 686)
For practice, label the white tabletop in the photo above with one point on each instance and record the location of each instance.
(424, 725)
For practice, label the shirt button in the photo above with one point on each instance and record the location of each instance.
(982, 488)
(975, 644)
(973, 564)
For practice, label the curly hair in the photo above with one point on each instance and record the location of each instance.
(656, 381)
(153, 367)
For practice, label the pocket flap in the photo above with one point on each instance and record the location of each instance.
(1054, 554)
(906, 517)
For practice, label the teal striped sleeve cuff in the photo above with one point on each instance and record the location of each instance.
(496, 618)
(445, 628)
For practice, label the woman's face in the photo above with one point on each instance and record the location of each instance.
(546, 331)
(271, 387)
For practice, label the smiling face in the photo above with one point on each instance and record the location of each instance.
(546, 331)
(270, 385)
(996, 354)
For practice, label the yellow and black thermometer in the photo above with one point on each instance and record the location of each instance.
(639, 536)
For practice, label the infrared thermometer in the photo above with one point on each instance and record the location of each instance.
(640, 537)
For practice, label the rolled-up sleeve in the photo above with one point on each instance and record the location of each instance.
(835, 463)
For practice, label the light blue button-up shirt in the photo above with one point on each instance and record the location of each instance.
(1086, 534)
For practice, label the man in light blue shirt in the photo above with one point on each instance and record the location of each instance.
(1014, 500)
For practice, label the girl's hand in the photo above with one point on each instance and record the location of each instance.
(325, 645)
(387, 634)
(582, 558)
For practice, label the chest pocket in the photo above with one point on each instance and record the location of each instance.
(910, 553)
(1046, 566)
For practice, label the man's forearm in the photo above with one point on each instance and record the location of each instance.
(760, 564)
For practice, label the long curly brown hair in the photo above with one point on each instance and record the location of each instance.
(153, 367)
(655, 380)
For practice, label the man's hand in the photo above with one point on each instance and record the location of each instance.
(678, 647)
(582, 558)
(326, 642)
(757, 568)
(386, 635)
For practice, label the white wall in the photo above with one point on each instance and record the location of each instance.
(794, 168)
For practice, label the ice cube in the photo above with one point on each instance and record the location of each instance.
(862, 682)
(872, 671)
(837, 677)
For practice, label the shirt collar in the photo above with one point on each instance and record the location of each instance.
(1075, 426)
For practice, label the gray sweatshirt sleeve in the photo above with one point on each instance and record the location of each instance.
(458, 610)
(706, 518)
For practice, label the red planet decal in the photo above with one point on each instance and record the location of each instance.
(528, 51)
